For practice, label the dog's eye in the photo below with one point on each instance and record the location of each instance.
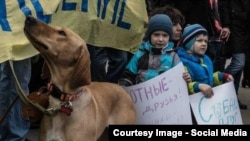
(61, 32)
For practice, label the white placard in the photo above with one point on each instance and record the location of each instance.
(222, 108)
(163, 99)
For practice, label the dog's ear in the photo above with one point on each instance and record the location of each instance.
(78, 53)
(81, 75)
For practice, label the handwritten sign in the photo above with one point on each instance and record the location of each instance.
(163, 99)
(221, 109)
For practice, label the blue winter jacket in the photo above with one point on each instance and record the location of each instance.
(149, 62)
(200, 69)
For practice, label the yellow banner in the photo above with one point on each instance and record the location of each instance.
(107, 23)
(13, 43)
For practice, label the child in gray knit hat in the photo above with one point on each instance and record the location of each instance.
(155, 54)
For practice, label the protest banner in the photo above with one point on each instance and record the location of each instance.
(163, 99)
(222, 108)
(116, 24)
(14, 44)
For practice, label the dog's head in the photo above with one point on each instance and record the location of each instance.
(65, 53)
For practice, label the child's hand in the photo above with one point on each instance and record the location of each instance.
(186, 76)
(229, 78)
(206, 90)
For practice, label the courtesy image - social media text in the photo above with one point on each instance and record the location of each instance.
(178, 133)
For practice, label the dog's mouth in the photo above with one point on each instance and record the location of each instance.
(37, 44)
(42, 45)
(29, 31)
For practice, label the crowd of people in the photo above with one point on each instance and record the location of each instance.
(177, 32)
(226, 22)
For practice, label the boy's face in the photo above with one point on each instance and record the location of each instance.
(200, 44)
(159, 39)
(177, 32)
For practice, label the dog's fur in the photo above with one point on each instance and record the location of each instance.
(99, 105)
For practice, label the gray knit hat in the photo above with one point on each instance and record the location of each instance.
(159, 22)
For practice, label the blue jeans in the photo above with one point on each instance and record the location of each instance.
(14, 126)
(107, 64)
(235, 68)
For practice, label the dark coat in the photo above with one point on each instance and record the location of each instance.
(195, 11)
(235, 15)
(199, 11)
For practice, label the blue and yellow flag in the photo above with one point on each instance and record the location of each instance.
(117, 24)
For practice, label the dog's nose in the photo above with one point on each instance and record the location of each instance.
(30, 20)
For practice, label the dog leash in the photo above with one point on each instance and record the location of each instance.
(7, 111)
(24, 98)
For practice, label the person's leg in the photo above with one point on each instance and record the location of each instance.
(222, 63)
(214, 52)
(118, 60)
(14, 127)
(235, 68)
(211, 50)
(220, 60)
(5, 98)
(246, 72)
(98, 57)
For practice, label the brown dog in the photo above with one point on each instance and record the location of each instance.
(83, 109)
